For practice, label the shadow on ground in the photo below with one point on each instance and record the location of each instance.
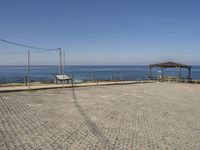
(94, 129)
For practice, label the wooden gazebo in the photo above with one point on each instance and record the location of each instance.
(170, 65)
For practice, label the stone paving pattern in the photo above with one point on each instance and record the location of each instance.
(151, 116)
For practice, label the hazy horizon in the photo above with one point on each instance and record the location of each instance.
(66, 65)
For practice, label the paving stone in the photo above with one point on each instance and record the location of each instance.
(132, 117)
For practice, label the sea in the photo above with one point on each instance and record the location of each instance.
(16, 74)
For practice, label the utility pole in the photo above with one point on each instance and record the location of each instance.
(60, 63)
(28, 69)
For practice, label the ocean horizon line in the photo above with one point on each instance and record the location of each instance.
(88, 65)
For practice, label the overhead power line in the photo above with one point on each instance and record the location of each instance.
(27, 46)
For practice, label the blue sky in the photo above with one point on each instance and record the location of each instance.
(102, 32)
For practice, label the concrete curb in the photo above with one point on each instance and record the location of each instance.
(33, 88)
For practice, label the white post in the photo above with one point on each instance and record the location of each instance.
(92, 78)
(179, 73)
(72, 80)
(28, 70)
(63, 67)
(60, 63)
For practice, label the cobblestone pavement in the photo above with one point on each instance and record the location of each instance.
(138, 116)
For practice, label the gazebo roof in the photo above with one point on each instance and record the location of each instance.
(169, 65)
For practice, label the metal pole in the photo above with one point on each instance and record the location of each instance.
(161, 72)
(179, 72)
(141, 81)
(92, 78)
(28, 70)
(63, 67)
(72, 80)
(189, 74)
(60, 63)
(150, 73)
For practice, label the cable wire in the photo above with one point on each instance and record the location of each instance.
(27, 46)
(11, 53)
(25, 52)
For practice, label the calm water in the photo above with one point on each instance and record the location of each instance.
(10, 74)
